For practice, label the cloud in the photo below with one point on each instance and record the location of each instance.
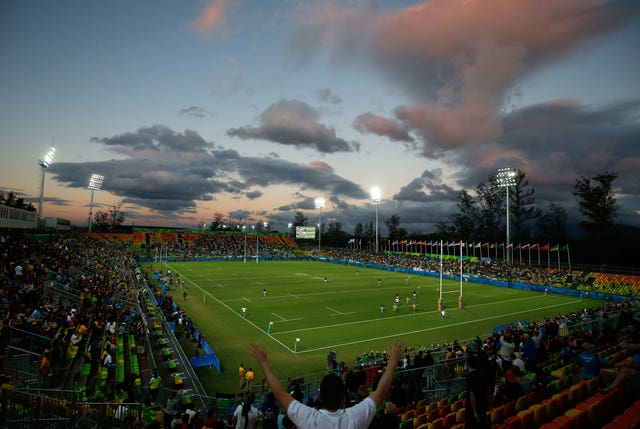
(327, 96)
(556, 142)
(169, 172)
(196, 111)
(294, 123)
(213, 16)
(252, 195)
(155, 138)
(455, 59)
(429, 187)
(374, 124)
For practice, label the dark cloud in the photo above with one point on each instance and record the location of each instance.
(429, 187)
(327, 96)
(253, 195)
(556, 142)
(169, 172)
(374, 124)
(196, 111)
(156, 137)
(54, 201)
(241, 215)
(294, 123)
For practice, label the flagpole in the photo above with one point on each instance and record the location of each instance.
(441, 256)
(558, 255)
(520, 252)
(460, 300)
(549, 257)
(568, 257)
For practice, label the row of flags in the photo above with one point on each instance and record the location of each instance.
(480, 245)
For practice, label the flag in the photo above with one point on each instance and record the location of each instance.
(544, 247)
(501, 245)
(352, 240)
(554, 248)
(478, 245)
(510, 246)
(395, 243)
(526, 246)
(534, 246)
(485, 245)
(493, 245)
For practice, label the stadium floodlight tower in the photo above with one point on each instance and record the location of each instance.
(506, 178)
(320, 205)
(376, 196)
(95, 184)
(44, 163)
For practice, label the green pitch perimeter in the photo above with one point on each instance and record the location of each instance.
(341, 314)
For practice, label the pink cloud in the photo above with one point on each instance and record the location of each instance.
(456, 59)
(445, 128)
(320, 165)
(371, 123)
(212, 17)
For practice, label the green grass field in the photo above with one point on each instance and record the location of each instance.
(342, 314)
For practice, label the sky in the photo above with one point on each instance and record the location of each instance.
(254, 108)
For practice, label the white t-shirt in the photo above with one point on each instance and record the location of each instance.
(356, 417)
(253, 418)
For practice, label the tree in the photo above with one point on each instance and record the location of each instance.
(335, 236)
(521, 206)
(369, 233)
(300, 219)
(490, 209)
(465, 221)
(217, 222)
(358, 232)
(12, 200)
(392, 226)
(111, 218)
(596, 203)
(553, 224)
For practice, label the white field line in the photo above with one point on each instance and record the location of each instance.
(287, 320)
(396, 335)
(289, 349)
(334, 310)
(337, 325)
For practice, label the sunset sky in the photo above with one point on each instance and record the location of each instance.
(253, 108)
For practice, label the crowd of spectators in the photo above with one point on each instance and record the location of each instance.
(74, 292)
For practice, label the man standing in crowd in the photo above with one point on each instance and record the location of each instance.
(332, 414)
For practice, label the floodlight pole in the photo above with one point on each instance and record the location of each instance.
(44, 163)
(95, 184)
(43, 168)
(506, 178)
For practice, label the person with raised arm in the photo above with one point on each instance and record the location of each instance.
(332, 395)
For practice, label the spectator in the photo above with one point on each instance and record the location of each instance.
(246, 415)
(590, 363)
(331, 396)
